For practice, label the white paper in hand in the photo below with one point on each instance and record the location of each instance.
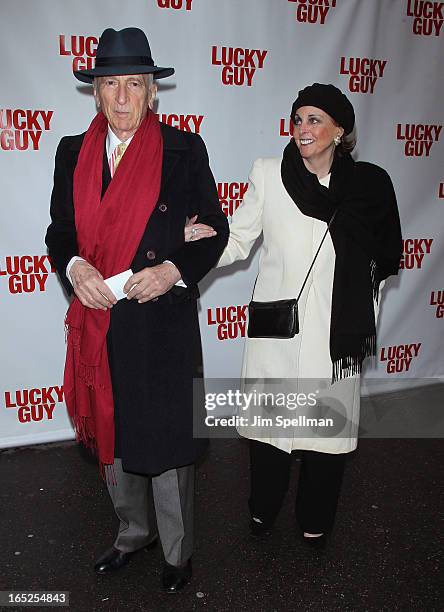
(117, 282)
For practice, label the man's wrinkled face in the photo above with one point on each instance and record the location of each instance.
(124, 100)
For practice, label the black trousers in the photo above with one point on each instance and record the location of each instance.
(319, 485)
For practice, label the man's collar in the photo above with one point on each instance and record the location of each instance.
(112, 141)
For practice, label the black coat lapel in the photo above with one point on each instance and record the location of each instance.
(174, 145)
(170, 159)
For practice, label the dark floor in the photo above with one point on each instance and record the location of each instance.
(384, 554)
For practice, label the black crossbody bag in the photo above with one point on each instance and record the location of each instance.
(279, 319)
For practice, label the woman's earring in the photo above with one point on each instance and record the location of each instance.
(337, 140)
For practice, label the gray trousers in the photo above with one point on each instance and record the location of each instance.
(172, 494)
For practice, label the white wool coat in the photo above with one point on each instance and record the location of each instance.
(290, 241)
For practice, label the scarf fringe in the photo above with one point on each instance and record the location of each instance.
(86, 437)
(344, 367)
(82, 426)
(108, 473)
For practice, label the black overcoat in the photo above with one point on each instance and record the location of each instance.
(154, 349)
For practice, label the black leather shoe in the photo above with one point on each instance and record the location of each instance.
(175, 578)
(317, 543)
(113, 559)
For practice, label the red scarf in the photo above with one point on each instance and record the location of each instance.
(108, 234)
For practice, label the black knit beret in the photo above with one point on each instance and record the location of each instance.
(329, 99)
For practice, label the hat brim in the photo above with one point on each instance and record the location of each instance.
(87, 76)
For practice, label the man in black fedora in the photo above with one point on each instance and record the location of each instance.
(123, 191)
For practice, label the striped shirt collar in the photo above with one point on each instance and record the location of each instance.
(112, 141)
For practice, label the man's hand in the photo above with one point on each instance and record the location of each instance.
(149, 283)
(89, 286)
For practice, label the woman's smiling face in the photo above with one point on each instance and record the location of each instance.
(314, 133)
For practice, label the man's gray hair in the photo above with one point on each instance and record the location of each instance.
(149, 79)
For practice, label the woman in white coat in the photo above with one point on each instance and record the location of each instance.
(290, 201)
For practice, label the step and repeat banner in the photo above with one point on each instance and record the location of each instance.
(239, 65)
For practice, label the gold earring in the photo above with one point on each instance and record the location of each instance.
(337, 140)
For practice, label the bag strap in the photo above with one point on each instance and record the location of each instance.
(316, 255)
(314, 258)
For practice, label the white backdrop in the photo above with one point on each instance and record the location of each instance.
(386, 55)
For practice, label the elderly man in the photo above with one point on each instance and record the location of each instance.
(123, 192)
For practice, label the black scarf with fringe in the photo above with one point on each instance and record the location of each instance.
(366, 236)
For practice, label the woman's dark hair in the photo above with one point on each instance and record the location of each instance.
(347, 143)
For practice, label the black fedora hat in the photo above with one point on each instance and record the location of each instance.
(123, 52)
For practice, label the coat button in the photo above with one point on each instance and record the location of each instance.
(150, 255)
(163, 207)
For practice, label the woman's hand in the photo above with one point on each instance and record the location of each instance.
(195, 231)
